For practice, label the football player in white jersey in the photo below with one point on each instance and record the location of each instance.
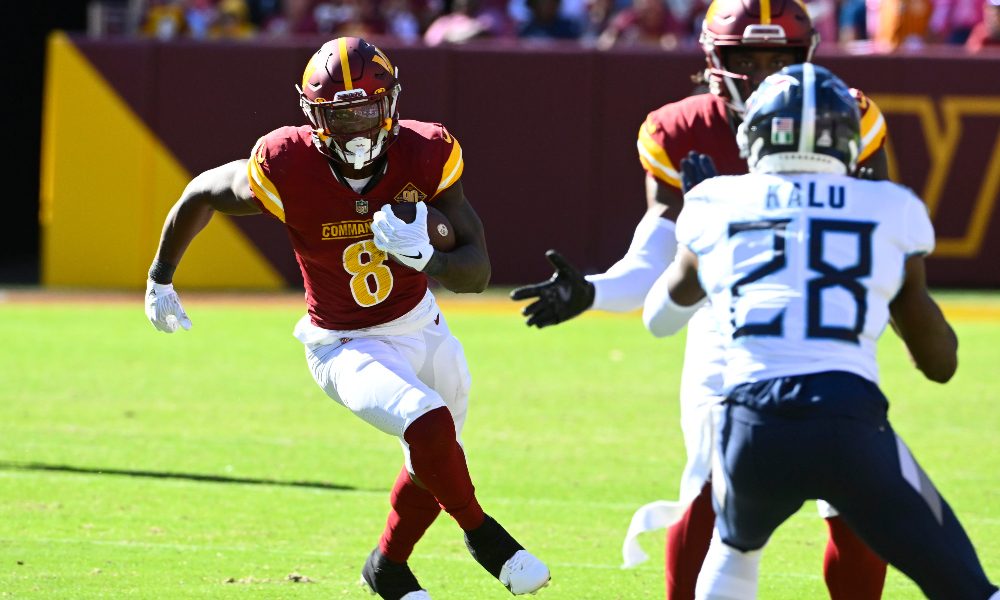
(803, 267)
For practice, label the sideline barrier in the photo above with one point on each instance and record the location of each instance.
(548, 133)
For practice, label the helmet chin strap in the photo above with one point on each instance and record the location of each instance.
(736, 100)
(360, 148)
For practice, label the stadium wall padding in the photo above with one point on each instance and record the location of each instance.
(548, 133)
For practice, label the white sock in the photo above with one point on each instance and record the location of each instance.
(727, 573)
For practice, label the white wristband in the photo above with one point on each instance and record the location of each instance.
(661, 315)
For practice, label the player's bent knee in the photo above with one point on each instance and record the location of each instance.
(431, 432)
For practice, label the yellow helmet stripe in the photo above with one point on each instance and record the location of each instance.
(345, 65)
(453, 167)
(765, 12)
(654, 159)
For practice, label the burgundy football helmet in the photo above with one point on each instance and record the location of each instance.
(349, 92)
(747, 25)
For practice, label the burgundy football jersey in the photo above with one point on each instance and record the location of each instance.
(350, 284)
(701, 123)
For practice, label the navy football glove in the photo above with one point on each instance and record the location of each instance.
(565, 295)
(695, 168)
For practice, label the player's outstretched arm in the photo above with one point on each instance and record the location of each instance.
(222, 189)
(623, 287)
(919, 321)
(467, 267)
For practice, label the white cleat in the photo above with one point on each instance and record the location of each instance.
(524, 574)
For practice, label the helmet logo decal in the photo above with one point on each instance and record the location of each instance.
(382, 59)
(345, 64)
(410, 193)
(783, 131)
(379, 59)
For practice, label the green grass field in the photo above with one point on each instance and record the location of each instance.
(207, 464)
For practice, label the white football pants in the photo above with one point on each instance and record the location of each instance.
(390, 381)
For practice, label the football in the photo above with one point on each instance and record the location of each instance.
(439, 229)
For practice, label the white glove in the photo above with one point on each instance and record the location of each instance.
(407, 242)
(163, 307)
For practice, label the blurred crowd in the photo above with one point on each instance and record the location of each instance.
(862, 25)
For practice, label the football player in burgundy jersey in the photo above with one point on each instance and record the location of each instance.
(744, 41)
(375, 340)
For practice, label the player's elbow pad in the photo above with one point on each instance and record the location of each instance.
(624, 286)
(662, 316)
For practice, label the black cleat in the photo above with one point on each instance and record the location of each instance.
(390, 580)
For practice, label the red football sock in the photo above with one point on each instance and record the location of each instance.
(851, 569)
(413, 511)
(687, 545)
(439, 464)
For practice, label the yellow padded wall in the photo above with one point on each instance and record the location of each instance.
(107, 184)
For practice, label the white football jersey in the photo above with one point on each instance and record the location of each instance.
(800, 269)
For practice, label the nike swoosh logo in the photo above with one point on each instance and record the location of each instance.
(564, 293)
(417, 257)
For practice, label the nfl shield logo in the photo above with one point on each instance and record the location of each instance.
(361, 206)
(783, 131)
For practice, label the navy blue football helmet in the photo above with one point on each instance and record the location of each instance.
(802, 119)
